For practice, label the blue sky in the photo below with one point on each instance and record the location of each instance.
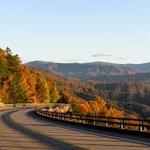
(77, 30)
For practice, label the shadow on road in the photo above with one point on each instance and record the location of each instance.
(75, 127)
(41, 138)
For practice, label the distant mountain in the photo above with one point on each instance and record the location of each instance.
(21, 84)
(138, 78)
(127, 84)
(84, 70)
(142, 68)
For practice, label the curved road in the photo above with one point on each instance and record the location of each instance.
(21, 129)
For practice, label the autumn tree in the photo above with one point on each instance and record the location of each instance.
(114, 112)
(98, 106)
(42, 89)
(17, 93)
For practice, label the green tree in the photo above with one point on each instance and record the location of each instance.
(13, 60)
(17, 93)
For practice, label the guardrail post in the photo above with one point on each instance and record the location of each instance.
(94, 120)
(84, 120)
(77, 118)
(106, 122)
(141, 125)
(70, 117)
(64, 116)
(122, 124)
(46, 113)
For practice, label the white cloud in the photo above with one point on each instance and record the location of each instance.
(102, 55)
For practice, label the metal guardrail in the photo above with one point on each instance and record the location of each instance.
(110, 122)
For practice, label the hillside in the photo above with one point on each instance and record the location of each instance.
(142, 68)
(21, 84)
(94, 70)
(138, 78)
(130, 95)
(126, 85)
(83, 71)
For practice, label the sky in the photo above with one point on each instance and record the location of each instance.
(115, 31)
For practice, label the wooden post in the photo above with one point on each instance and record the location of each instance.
(106, 123)
(94, 120)
(141, 125)
(121, 124)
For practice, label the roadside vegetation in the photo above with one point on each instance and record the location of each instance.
(21, 84)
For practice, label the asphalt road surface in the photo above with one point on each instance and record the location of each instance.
(21, 129)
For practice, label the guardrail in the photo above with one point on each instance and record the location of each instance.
(110, 122)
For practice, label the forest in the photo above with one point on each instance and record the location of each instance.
(22, 84)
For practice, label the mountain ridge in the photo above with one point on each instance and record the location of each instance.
(85, 71)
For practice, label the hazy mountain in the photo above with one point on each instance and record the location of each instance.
(128, 85)
(84, 70)
(138, 78)
(143, 68)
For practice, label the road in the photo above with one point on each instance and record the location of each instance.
(21, 129)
